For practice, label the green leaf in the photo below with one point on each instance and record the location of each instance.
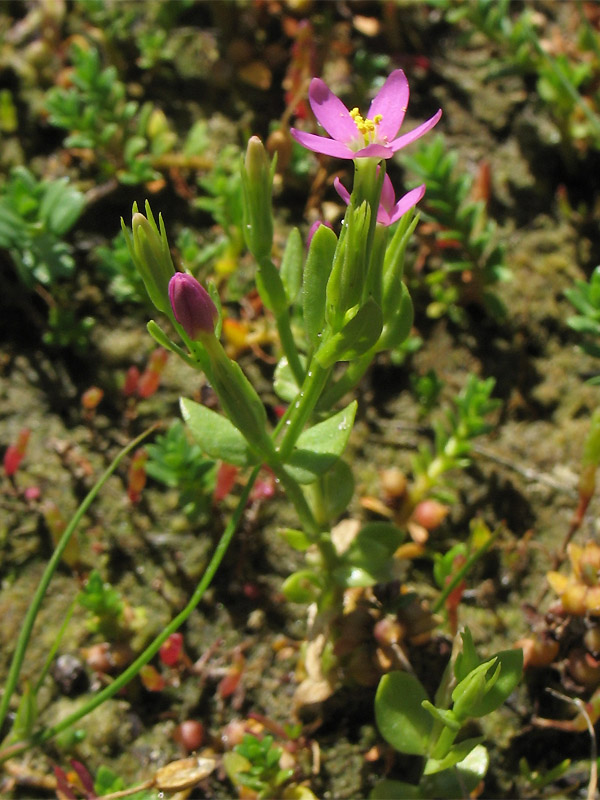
(235, 764)
(393, 265)
(337, 490)
(445, 716)
(301, 587)
(26, 715)
(61, 206)
(107, 781)
(291, 265)
(459, 781)
(357, 336)
(443, 566)
(12, 226)
(316, 274)
(270, 287)
(398, 322)
(400, 717)
(284, 382)
(494, 305)
(319, 447)
(217, 437)
(161, 338)
(298, 540)
(458, 752)
(369, 559)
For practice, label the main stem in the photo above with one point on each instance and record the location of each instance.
(309, 394)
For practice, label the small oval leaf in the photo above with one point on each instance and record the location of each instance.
(401, 719)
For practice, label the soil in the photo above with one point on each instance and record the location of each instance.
(523, 476)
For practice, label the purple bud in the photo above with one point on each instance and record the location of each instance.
(192, 305)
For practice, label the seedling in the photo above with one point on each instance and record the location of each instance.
(412, 724)
(177, 462)
(255, 764)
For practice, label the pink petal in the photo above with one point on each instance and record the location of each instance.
(314, 228)
(383, 218)
(331, 112)
(391, 102)
(388, 196)
(320, 144)
(374, 151)
(406, 202)
(415, 134)
(341, 190)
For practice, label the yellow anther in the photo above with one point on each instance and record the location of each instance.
(365, 126)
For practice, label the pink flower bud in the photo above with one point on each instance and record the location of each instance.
(91, 398)
(430, 514)
(15, 452)
(131, 381)
(171, 650)
(314, 228)
(189, 734)
(32, 493)
(192, 305)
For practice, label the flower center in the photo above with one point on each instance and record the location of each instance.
(365, 126)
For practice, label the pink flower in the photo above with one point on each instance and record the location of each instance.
(354, 136)
(389, 211)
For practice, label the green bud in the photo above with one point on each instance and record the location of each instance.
(257, 184)
(373, 285)
(149, 249)
(471, 690)
(347, 280)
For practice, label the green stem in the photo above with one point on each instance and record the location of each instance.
(462, 572)
(36, 602)
(56, 644)
(133, 669)
(309, 394)
(354, 372)
(443, 743)
(274, 297)
(294, 493)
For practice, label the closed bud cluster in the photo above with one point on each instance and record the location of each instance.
(15, 453)
(149, 250)
(472, 689)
